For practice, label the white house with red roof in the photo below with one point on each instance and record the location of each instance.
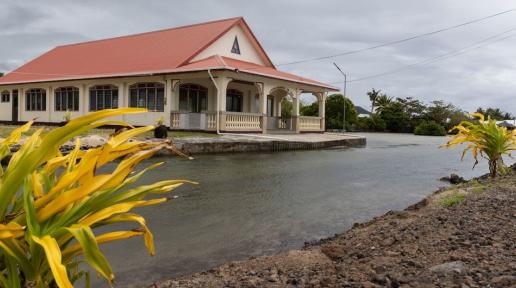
(212, 76)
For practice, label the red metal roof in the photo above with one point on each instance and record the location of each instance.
(221, 62)
(164, 51)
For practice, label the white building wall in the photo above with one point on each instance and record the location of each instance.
(6, 107)
(223, 46)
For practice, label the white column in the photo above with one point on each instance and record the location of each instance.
(49, 103)
(122, 98)
(295, 93)
(21, 103)
(168, 101)
(277, 106)
(222, 85)
(174, 103)
(322, 109)
(263, 91)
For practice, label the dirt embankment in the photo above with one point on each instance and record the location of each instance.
(462, 236)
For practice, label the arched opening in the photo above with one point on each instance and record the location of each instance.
(309, 105)
(103, 97)
(147, 95)
(280, 108)
(66, 99)
(36, 99)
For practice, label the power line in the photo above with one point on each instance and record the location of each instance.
(397, 41)
(484, 42)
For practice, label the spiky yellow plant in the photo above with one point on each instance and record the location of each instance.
(50, 203)
(484, 139)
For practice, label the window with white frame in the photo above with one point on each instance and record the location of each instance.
(6, 95)
(103, 97)
(66, 99)
(36, 99)
(147, 95)
(193, 98)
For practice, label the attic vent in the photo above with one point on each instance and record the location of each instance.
(236, 48)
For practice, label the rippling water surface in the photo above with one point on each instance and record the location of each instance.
(262, 203)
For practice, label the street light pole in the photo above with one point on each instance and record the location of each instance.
(343, 95)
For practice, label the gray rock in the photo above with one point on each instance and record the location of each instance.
(449, 268)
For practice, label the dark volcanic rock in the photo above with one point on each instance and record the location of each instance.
(453, 179)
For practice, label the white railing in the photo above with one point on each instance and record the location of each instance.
(175, 120)
(282, 123)
(309, 123)
(211, 120)
(242, 121)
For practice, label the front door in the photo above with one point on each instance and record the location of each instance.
(15, 106)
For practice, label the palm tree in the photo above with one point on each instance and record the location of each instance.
(373, 95)
(382, 101)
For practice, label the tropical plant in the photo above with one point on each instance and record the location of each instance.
(381, 102)
(485, 139)
(50, 203)
(373, 95)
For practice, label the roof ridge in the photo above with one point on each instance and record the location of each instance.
(221, 60)
(150, 32)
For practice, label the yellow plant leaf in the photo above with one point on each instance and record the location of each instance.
(130, 217)
(75, 249)
(37, 188)
(91, 251)
(53, 255)
(118, 208)
(11, 230)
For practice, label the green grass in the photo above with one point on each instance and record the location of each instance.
(476, 187)
(5, 130)
(452, 200)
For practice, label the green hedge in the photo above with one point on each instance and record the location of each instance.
(431, 128)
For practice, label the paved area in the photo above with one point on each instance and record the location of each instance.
(266, 142)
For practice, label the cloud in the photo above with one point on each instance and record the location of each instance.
(299, 29)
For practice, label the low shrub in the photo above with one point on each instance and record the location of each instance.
(371, 124)
(431, 128)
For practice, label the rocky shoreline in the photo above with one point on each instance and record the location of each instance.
(460, 236)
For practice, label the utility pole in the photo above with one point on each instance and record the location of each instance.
(343, 95)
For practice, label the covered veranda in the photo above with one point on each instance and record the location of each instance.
(239, 102)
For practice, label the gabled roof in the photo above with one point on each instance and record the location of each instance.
(163, 51)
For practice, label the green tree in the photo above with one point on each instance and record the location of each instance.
(311, 109)
(286, 107)
(334, 111)
(415, 110)
(381, 102)
(395, 117)
(439, 111)
(1, 74)
(495, 113)
(373, 95)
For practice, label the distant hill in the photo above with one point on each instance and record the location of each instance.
(362, 110)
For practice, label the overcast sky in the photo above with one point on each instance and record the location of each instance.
(296, 29)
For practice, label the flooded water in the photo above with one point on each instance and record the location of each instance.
(262, 203)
